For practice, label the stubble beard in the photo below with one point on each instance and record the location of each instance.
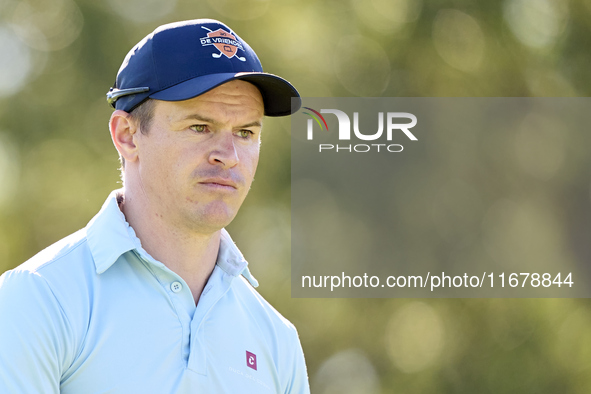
(210, 218)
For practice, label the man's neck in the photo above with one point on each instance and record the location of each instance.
(191, 256)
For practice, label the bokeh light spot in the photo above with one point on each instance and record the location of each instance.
(240, 9)
(540, 146)
(15, 62)
(458, 39)
(415, 337)
(141, 11)
(573, 345)
(347, 372)
(537, 24)
(9, 168)
(387, 16)
(362, 66)
(48, 25)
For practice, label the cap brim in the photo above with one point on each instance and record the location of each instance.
(277, 92)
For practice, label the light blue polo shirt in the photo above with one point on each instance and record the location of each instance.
(95, 313)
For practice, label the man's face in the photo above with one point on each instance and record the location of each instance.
(198, 160)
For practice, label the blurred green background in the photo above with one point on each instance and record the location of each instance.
(57, 163)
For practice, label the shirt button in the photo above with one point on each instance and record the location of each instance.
(176, 287)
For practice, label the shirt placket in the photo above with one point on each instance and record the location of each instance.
(217, 286)
(180, 296)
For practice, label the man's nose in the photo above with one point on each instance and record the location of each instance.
(223, 151)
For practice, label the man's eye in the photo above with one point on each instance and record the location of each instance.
(245, 133)
(199, 128)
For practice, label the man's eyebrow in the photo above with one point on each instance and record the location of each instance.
(256, 123)
(205, 119)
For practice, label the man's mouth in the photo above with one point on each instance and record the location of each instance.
(224, 183)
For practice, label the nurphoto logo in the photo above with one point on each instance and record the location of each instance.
(394, 124)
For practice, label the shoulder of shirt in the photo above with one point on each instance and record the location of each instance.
(261, 306)
(55, 253)
(63, 273)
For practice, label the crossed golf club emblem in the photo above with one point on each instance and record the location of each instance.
(225, 42)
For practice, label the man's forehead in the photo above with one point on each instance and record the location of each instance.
(234, 92)
(233, 99)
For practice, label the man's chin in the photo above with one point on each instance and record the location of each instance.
(212, 219)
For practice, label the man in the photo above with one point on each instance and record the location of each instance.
(152, 296)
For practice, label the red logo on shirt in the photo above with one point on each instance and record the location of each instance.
(251, 360)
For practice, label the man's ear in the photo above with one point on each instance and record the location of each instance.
(123, 129)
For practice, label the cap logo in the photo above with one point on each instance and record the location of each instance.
(224, 41)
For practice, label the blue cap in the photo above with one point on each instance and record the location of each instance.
(182, 60)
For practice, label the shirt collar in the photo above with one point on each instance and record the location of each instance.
(109, 236)
(231, 260)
